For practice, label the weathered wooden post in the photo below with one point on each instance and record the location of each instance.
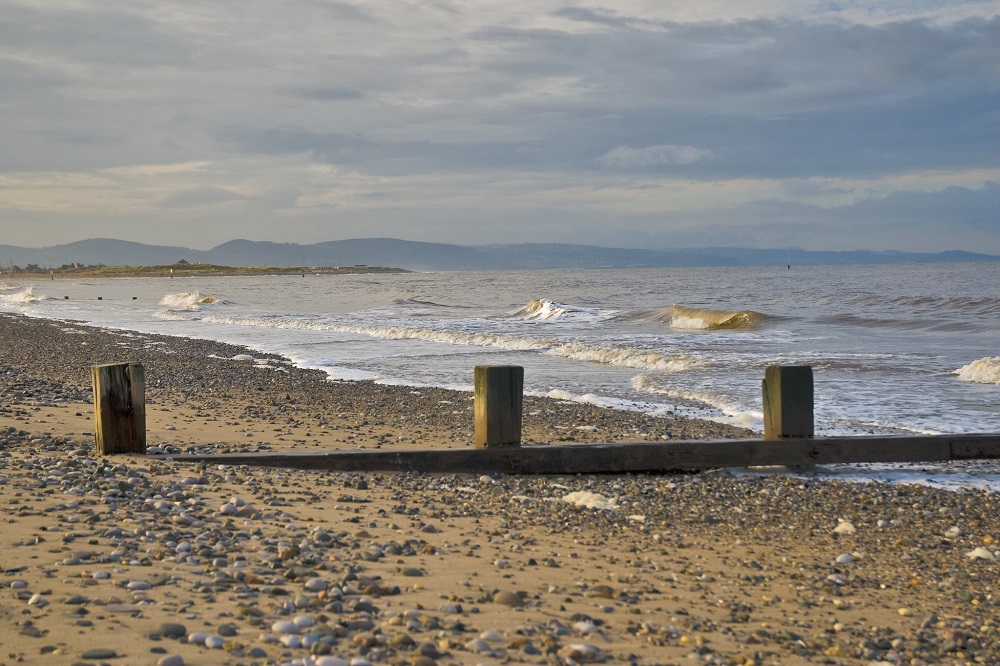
(119, 408)
(498, 396)
(788, 401)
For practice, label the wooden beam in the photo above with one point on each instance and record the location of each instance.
(631, 457)
(119, 408)
(499, 393)
(788, 401)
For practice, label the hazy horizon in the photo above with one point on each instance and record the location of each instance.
(766, 124)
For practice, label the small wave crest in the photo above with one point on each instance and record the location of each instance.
(190, 301)
(708, 319)
(625, 357)
(418, 301)
(982, 371)
(956, 303)
(541, 309)
(21, 297)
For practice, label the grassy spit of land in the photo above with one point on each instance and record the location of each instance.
(197, 270)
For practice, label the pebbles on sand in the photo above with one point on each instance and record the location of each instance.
(143, 560)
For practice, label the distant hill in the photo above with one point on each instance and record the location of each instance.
(420, 256)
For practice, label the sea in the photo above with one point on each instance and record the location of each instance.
(895, 348)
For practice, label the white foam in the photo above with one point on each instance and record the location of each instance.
(625, 357)
(189, 301)
(25, 296)
(621, 356)
(982, 371)
(542, 309)
(591, 500)
(726, 410)
(954, 476)
(559, 394)
(690, 323)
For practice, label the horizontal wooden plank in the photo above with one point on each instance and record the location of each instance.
(630, 457)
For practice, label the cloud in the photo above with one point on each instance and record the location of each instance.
(625, 157)
(200, 197)
(636, 117)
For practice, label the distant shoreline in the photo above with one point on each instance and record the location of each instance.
(197, 270)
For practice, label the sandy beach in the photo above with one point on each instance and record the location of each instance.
(143, 560)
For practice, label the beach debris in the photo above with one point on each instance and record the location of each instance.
(844, 527)
(980, 553)
(591, 500)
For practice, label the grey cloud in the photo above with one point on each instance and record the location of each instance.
(328, 94)
(955, 217)
(619, 99)
(198, 197)
(107, 34)
(326, 146)
(626, 157)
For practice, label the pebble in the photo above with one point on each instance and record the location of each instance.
(100, 653)
(284, 627)
(508, 599)
(171, 660)
(316, 584)
(172, 630)
(215, 642)
(197, 637)
(331, 661)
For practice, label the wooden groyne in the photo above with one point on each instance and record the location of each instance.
(630, 457)
(788, 437)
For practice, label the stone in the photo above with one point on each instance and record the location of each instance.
(506, 598)
(171, 660)
(100, 653)
(172, 630)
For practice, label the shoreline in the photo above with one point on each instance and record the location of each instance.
(139, 559)
(218, 379)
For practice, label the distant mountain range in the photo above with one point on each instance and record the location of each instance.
(419, 256)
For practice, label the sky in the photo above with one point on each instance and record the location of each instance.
(823, 125)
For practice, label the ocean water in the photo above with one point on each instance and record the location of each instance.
(895, 349)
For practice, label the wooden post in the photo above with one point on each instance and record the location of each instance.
(499, 392)
(119, 408)
(788, 401)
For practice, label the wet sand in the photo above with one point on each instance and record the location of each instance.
(139, 559)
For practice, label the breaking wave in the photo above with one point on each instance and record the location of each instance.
(21, 297)
(708, 319)
(542, 309)
(983, 371)
(190, 301)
